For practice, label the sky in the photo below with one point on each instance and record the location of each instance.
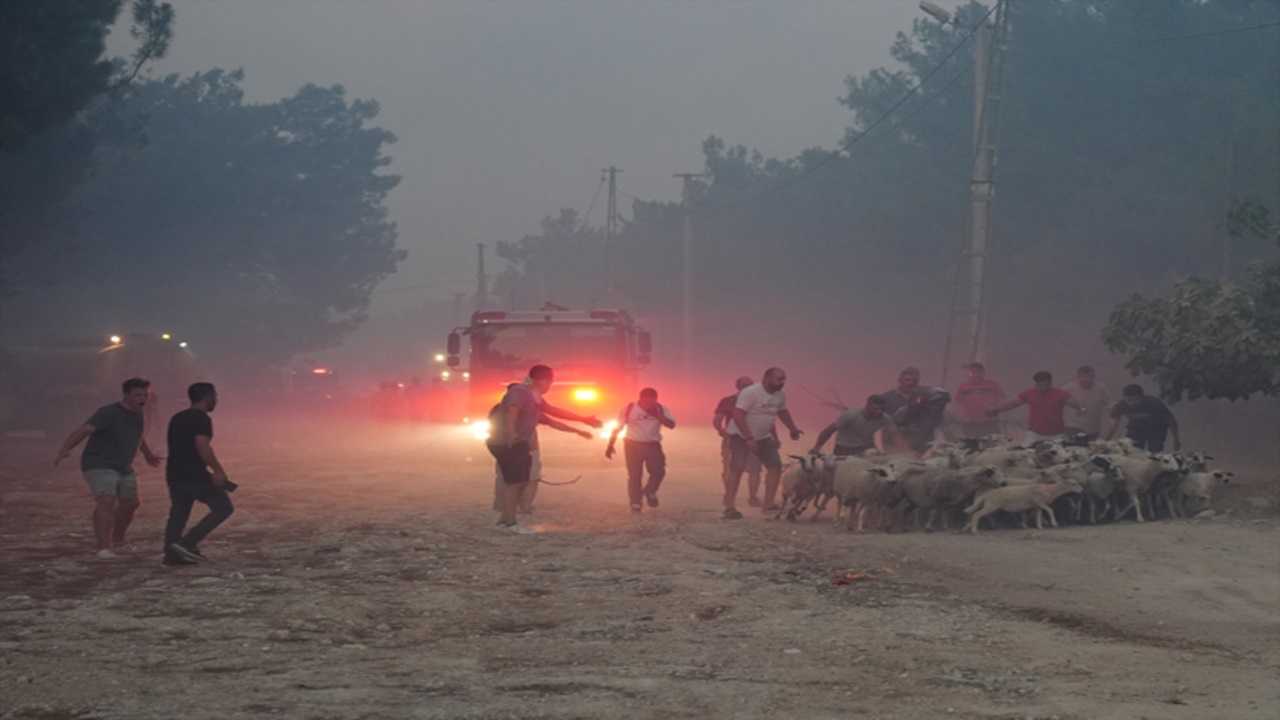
(508, 111)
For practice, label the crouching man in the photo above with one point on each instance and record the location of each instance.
(193, 475)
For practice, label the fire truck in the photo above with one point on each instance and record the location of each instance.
(596, 355)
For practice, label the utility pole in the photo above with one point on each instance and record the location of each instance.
(482, 291)
(988, 64)
(611, 233)
(687, 342)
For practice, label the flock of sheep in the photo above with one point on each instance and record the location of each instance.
(1090, 482)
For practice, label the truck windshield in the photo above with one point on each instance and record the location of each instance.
(517, 346)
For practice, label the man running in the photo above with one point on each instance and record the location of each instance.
(751, 433)
(720, 421)
(193, 475)
(1149, 420)
(1044, 408)
(642, 447)
(115, 437)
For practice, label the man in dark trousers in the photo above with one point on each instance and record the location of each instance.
(642, 447)
(115, 437)
(194, 474)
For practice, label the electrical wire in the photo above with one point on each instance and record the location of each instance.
(592, 205)
(857, 138)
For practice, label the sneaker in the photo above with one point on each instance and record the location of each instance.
(105, 553)
(185, 552)
(732, 514)
(753, 502)
(515, 528)
(124, 549)
(176, 559)
(635, 507)
(651, 498)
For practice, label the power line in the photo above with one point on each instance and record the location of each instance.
(593, 203)
(844, 148)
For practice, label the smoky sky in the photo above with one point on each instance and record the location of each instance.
(507, 111)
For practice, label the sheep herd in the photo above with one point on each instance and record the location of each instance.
(995, 479)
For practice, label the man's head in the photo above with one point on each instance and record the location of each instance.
(1043, 381)
(136, 391)
(977, 371)
(648, 398)
(874, 407)
(1132, 395)
(204, 395)
(542, 377)
(743, 383)
(908, 380)
(774, 379)
(935, 398)
(1085, 376)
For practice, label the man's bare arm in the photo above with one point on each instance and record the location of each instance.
(76, 437)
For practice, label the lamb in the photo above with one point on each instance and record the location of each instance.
(1199, 486)
(1021, 498)
(861, 486)
(801, 483)
(934, 488)
(1137, 474)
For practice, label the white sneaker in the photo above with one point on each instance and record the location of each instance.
(519, 529)
(105, 553)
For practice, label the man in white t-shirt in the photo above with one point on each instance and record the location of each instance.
(1096, 399)
(642, 447)
(751, 433)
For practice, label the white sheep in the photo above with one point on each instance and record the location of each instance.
(861, 486)
(1019, 499)
(940, 488)
(1199, 486)
(1136, 474)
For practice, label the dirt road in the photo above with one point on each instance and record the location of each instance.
(362, 577)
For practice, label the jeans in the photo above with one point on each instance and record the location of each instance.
(639, 455)
(181, 498)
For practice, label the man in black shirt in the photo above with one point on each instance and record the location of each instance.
(1149, 420)
(193, 474)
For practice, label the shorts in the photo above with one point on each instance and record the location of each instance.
(1150, 440)
(104, 481)
(740, 453)
(515, 462)
(726, 459)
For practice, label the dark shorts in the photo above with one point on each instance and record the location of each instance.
(726, 458)
(740, 453)
(515, 461)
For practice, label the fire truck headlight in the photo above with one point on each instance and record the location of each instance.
(607, 430)
(586, 395)
(480, 429)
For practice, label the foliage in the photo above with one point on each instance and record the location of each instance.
(1213, 338)
(52, 71)
(257, 231)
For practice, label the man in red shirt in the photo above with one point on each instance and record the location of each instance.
(1044, 408)
(973, 398)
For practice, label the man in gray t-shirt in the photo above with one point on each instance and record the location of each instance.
(115, 436)
(856, 429)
